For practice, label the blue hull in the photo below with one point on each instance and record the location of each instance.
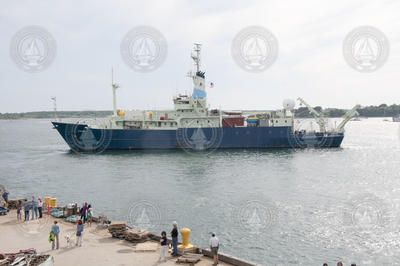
(80, 137)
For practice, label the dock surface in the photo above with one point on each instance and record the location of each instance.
(98, 248)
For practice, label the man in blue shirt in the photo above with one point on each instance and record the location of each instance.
(56, 231)
(27, 207)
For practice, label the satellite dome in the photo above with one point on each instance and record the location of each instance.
(289, 104)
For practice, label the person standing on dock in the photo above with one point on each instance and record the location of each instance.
(34, 208)
(5, 195)
(19, 210)
(55, 229)
(214, 245)
(83, 212)
(79, 233)
(163, 248)
(27, 207)
(89, 215)
(174, 235)
(40, 207)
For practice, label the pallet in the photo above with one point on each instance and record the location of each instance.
(190, 259)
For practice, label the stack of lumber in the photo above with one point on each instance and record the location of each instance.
(13, 203)
(117, 229)
(137, 235)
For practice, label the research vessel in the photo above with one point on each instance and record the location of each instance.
(192, 125)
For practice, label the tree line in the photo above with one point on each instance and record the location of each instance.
(382, 110)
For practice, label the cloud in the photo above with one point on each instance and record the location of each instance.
(88, 34)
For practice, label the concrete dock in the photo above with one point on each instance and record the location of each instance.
(98, 248)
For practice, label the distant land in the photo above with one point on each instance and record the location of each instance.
(382, 110)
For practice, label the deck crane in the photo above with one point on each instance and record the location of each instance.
(347, 116)
(319, 117)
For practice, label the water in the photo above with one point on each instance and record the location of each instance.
(274, 207)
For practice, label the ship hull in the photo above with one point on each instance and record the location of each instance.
(80, 137)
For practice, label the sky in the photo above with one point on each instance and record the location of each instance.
(88, 36)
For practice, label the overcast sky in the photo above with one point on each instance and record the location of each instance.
(88, 34)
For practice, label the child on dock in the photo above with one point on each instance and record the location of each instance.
(55, 229)
(163, 248)
(79, 233)
(19, 214)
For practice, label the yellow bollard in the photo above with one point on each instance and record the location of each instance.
(185, 233)
(53, 202)
(47, 201)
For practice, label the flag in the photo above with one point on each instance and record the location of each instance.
(211, 85)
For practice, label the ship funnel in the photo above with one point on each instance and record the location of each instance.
(199, 89)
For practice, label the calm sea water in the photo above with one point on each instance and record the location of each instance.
(274, 207)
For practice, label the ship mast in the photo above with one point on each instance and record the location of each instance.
(196, 58)
(114, 86)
